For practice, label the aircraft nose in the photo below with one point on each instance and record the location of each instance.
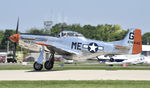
(14, 38)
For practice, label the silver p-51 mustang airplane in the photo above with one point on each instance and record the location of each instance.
(73, 45)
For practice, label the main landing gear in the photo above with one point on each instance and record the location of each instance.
(38, 65)
(48, 64)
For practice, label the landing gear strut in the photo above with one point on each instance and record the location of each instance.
(49, 63)
(38, 65)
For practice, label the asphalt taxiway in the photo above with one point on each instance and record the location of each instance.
(75, 75)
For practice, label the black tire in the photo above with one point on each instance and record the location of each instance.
(48, 65)
(112, 60)
(37, 66)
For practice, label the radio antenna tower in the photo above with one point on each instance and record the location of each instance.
(48, 24)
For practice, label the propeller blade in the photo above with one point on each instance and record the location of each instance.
(15, 44)
(17, 25)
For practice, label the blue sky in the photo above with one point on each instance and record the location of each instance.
(32, 13)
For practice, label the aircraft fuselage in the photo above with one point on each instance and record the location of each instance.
(82, 47)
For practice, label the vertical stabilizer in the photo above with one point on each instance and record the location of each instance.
(134, 40)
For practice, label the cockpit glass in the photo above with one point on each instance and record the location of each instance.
(70, 34)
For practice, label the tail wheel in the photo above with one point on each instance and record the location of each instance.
(48, 65)
(37, 66)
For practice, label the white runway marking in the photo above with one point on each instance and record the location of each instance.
(75, 75)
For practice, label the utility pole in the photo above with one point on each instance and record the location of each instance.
(147, 44)
(7, 51)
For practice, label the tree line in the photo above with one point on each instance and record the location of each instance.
(106, 32)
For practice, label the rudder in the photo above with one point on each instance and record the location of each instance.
(137, 43)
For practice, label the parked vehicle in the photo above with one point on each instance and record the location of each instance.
(2, 59)
(10, 58)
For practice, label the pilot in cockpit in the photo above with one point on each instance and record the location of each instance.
(64, 34)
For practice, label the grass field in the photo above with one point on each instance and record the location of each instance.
(75, 84)
(77, 67)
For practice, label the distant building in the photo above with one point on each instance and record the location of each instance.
(146, 50)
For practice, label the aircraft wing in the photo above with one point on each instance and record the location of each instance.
(58, 48)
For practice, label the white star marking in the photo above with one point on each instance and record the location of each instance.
(93, 47)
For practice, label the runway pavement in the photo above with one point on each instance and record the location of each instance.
(75, 75)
